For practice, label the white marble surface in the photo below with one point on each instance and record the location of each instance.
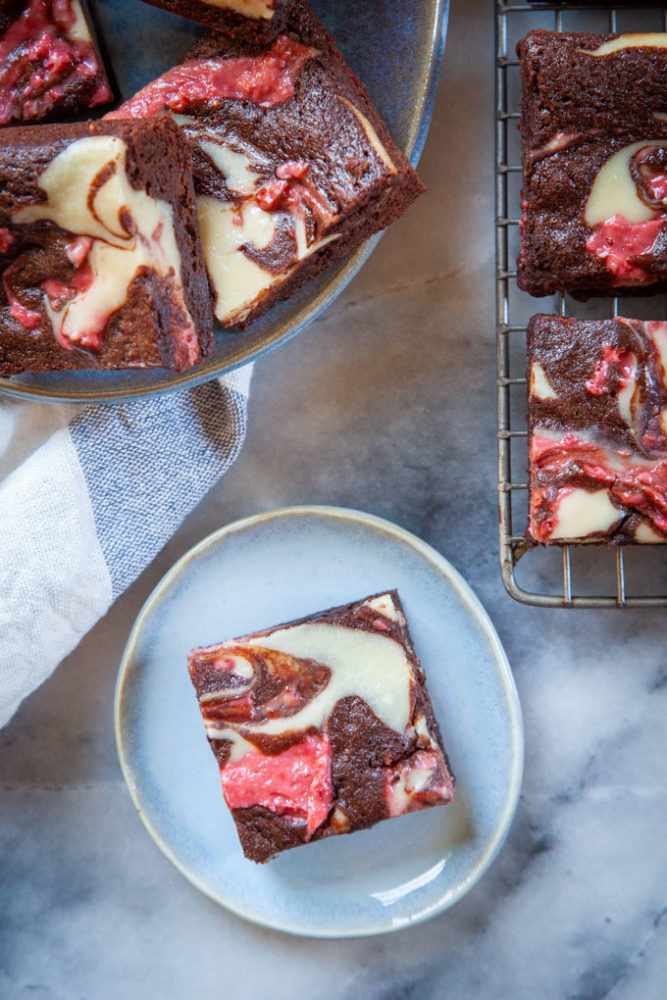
(387, 404)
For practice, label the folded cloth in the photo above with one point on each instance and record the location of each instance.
(88, 496)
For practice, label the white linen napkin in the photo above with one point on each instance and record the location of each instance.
(88, 497)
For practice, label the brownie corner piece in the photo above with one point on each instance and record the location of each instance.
(50, 67)
(254, 21)
(100, 256)
(321, 726)
(597, 439)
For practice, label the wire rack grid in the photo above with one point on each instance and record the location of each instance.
(571, 575)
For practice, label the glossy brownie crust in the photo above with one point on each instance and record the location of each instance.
(137, 334)
(585, 364)
(258, 31)
(363, 747)
(313, 125)
(577, 111)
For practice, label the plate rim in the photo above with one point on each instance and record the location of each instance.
(501, 664)
(284, 330)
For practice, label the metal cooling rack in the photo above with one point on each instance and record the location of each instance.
(574, 575)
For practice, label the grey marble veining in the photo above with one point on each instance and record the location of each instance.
(386, 403)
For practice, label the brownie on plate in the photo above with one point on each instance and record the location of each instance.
(293, 166)
(321, 726)
(49, 65)
(256, 21)
(100, 256)
(594, 132)
(597, 430)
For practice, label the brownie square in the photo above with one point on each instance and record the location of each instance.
(594, 132)
(255, 21)
(100, 256)
(49, 64)
(321, 726)
(293, 165)
(584, 82)
(597, 430)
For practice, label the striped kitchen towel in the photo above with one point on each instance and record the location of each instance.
(88, 497)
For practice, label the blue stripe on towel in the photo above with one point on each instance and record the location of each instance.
(148, 463)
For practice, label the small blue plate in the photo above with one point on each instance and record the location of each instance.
(272, 568)
(394, 46)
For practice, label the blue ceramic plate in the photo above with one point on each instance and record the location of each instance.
(394, 46)
(272, 568)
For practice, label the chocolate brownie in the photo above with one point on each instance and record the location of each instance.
(256, 21)
(594, 131)
(594, 216)
(321, 726)
(590, 83)
(100, 255)
(597, 430)
(49, 65)
(293, 166)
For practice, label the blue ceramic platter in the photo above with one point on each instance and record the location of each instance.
(272, 568)
(394, 46)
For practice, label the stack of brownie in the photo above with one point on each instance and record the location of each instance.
(221, 187)
(594, 198)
